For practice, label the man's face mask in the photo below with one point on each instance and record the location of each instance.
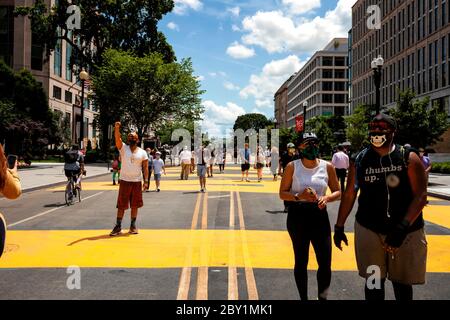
(310, 151)
(380, 133)
(132, 141)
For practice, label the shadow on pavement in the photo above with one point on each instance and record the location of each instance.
(275, 212)
(102, 237)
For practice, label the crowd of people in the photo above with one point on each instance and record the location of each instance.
(391, 180)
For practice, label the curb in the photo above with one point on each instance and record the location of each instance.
(60, 183)
(439, 195)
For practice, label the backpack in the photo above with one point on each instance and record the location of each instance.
(71, 156)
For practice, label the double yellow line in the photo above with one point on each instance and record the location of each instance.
(202, 272)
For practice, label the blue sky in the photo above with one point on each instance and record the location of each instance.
(242, 51)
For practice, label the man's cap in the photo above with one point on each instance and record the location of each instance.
(290, 145)
(383, 121)
(306, 137)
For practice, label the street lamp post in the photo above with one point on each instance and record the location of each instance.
(275, 122)
(377, 65)
(305, 105)
(83, 77)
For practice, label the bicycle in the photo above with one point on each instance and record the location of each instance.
(73, 191)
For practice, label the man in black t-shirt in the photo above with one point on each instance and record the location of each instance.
(389, 237)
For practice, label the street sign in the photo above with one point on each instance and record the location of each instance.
(299, 123)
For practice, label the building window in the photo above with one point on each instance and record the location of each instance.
(327, 73)
(57, 92)
(327, 61)
(327, 86)
(339, 74)
(68, 96)
(444, 74)
(339, 98)
(327, 98)
(339, 61)
(68, 56)
(57, 54)
(36, 53)
(86, 103)
(7, 34)
(339, 86)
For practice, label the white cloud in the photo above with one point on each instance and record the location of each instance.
(230, 86)
(217, 119)
(301, 6)
(200, 78)
(182, 6)
(222, 73)
(173, 26)
(277, 32)
(212, 74)
(238, 51)
(262, 87)
(235, 11)
(235, 28)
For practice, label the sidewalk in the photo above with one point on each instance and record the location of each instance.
(42, 175)
(439, 186)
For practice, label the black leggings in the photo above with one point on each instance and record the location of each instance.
(307, 224)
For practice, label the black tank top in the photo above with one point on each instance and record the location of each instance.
(385, 190)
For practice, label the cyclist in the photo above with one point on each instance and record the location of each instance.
(74, 165)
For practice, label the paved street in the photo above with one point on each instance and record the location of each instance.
(229, 243)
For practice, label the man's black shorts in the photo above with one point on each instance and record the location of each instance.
(245, 167)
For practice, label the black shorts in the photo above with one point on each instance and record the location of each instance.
(245, 167)
(259, 165)
(70, 173)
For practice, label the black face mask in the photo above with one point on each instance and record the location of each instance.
(132, 143)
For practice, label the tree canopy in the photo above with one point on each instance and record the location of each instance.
(418, 124)
(118, 24)
(254, 121)
(145, 91)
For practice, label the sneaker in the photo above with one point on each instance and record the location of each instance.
(202, 190)
(116, 231)
(158, 190)
(2, 234)
(133, 230)
(247, 180)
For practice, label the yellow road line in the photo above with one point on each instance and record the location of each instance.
(202, 272)
(185, 278)
(438, 215)
(249, 276)
(233, 293)
(167, 249)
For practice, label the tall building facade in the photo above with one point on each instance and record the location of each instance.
(414, 40)
(281, 104)
(59, 81)
(322, 82)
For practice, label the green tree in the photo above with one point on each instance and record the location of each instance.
(145, 91)
(254, 121)
(118, 24)
(357, 127)
(418, 124)
(27, 123)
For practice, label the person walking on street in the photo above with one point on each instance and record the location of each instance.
(389, 225)
(116, 169)
(150, 167)
(341, 162)
(259, 165)
(134, 162)
(287, 157)
(159, 167)
(203, 157)
(192, 161)
(211, 162)
(221, 160)
(185, 159)
(267, 155)
(245, 162)
(274, 161)
(10, 188)
(304, 183)
(426, 161)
